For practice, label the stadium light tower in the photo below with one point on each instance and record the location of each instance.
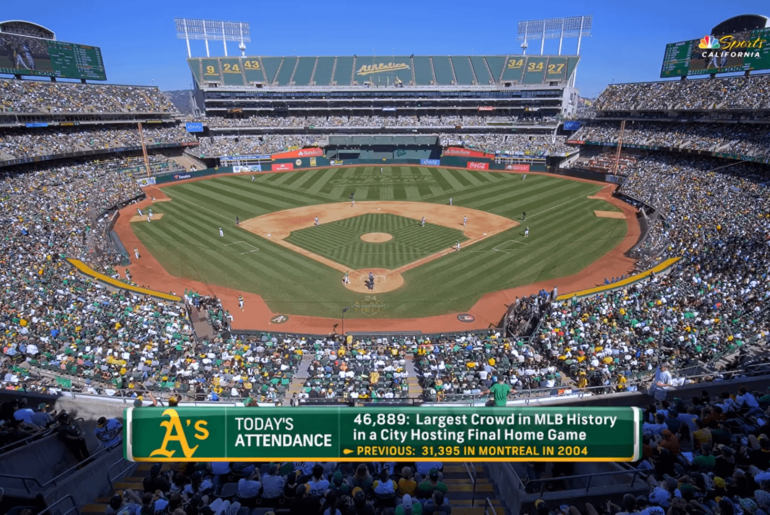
(555, 28)
(206, 30)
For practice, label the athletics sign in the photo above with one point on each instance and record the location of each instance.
(366, 434)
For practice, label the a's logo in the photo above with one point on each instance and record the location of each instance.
(298, 162)
(369, 306)
(279, 319)
(466, 317)
(175, 433)
(369, 69)
(709, 42)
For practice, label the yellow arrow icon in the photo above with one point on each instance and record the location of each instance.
(347, 451)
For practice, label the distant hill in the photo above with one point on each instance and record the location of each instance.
(182, 100)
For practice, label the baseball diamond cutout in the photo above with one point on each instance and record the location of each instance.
(281, 226)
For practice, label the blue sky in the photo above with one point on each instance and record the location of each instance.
(139, 44)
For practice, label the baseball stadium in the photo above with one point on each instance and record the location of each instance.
(385, 266)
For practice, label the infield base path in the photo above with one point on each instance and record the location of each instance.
(279, 225)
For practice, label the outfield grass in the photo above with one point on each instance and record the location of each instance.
(565, 236)
(341, 242)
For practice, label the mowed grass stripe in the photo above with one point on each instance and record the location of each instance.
(275, 191)
(531, 263)
(268, 260)
(341, 241)
(322, 185)
(507, 182)
(565, 237)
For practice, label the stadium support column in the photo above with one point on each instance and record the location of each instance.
(144, 149)
(224, 39)
(580, 40)
(187, 39)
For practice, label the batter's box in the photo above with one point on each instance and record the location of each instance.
(252, 247)
(510, 246)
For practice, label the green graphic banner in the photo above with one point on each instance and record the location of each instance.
(369, 434)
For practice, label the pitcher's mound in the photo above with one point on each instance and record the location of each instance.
(376, 237)
(609, 214)
(384, 280)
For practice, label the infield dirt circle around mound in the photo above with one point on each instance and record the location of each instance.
(376, 237)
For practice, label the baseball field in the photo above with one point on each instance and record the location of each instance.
(278, 252)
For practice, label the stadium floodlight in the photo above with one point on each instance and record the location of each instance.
(213, 30)
(555, 28)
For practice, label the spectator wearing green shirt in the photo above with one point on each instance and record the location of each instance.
(430, 485)
(706, 461)
(408, 507)
(500, 391)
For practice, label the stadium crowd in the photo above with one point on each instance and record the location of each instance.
(714, 301)
(375, 371)
(20, 143)
(747, 139)
(703, 455)
(747, 93)
(30, 96)
(367, 121)
(330, 488)
(512, 144)
(245, 145)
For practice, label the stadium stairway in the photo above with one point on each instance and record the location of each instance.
(298, 381)
(460, 490)
(415, 390)
(201, 326)
(133, 481)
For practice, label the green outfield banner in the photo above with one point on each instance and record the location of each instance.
(370, 433)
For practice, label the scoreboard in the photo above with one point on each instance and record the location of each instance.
(24, 55)
(743, 51)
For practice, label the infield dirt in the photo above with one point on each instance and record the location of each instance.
(278, 225)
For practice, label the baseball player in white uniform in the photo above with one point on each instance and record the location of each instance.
(526, 232)
(316, 220)
(221, 233)
(136, 253)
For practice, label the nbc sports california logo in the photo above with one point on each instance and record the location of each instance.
(709, 42)
(729, 46)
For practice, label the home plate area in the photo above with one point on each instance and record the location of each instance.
(243, 244)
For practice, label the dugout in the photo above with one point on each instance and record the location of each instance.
(392, 148)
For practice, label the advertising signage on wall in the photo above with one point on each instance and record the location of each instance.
(303, 152)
